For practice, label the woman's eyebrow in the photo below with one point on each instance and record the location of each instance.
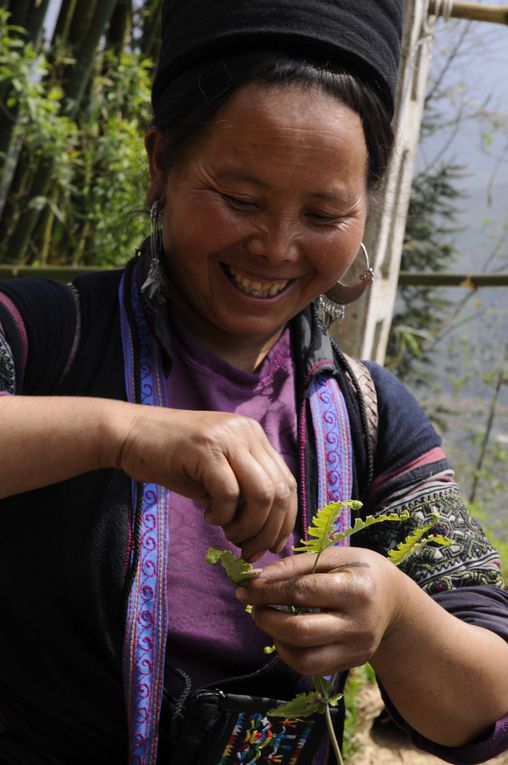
(238, 175)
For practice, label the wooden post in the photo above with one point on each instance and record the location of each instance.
(367, 325)
(365, 331)
(496, 14)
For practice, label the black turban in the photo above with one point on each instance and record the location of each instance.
(361, 36)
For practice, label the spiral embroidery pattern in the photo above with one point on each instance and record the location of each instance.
(333, 445)
(147, 612)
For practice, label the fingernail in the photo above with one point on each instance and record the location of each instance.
(279, 548)
(241, 594)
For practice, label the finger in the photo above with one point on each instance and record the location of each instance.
(322, 660)
(268, 501)
(257, 496)
(334, 559)
(303, 630)
(281, 514)
(223, 490)
(337, 591)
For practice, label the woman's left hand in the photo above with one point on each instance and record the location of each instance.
(447, 678)
(359, 594)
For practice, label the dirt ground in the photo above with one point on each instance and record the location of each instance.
(384, 744)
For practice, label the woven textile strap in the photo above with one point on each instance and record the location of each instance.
(147, 612)
(333, 446)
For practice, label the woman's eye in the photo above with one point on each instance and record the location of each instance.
(323, 218)
(240, 204)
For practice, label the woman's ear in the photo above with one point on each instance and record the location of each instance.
(155, 145)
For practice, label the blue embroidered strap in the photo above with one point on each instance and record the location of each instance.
(330, 420)
(147, 611)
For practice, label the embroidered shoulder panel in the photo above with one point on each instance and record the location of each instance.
(7, 367)
(471, 560)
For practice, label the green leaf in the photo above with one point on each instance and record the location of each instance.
(303, 705)
(370, 520)
(237, 569)
(414, 543)
(323, 526)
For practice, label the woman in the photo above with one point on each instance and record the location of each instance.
(201, 377)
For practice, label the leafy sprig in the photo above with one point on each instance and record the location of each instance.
(414, 542)
(237, 569)
(323, 534)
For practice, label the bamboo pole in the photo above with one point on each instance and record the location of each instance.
(413, 278)
(495, 14)
(471, 281)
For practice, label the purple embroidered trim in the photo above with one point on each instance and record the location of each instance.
(147, 612)
(333, 445)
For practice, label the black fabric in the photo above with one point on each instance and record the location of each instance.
(486, 606)
(63, 557)
(49, 313)
(406, 432)
(362, 36)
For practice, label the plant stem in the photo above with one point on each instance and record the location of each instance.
(318, 684)
(333, 739)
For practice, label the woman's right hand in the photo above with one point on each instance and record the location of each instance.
(224, 461)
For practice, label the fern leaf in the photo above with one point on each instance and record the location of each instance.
(370, 520)
(323, 525)
(237, 569)
(414, 543)
(303, 705)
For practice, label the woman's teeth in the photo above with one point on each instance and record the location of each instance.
(256, 288)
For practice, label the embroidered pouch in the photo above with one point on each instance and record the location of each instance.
(218, 728)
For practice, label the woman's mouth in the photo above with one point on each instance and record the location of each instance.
(255, 287)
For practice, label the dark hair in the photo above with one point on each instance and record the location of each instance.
(193, 99)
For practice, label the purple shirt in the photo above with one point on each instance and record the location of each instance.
(210, 635)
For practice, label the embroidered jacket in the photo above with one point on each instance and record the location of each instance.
(63, 596)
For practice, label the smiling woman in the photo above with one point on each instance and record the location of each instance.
(194, 399)
(277, 185)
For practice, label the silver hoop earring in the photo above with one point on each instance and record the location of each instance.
(155, 280)
(332, 305)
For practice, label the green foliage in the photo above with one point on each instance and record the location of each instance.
(322, 527)
(428, 246)
(358, 679)
(238, 570)
(306, 704)
(74, 178)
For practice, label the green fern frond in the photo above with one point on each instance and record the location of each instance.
(237, 569)
(370, 520)
(414, 543)
(303, 705)
(322, 527)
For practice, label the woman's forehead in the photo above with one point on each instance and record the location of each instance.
(275, 137)
(287, 116)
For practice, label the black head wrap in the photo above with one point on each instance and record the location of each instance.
(359, 36)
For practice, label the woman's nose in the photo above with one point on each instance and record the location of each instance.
(275, 243)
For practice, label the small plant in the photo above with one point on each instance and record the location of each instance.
(323, 534)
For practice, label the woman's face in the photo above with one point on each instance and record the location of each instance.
(263, 213)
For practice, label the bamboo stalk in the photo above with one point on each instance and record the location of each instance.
(417, 279)
(495, 14)
(18, 10)
(471, 281)
(82, 69)
(63, 24)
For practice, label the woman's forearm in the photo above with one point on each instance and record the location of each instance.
(448, 679)
(44, 440)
